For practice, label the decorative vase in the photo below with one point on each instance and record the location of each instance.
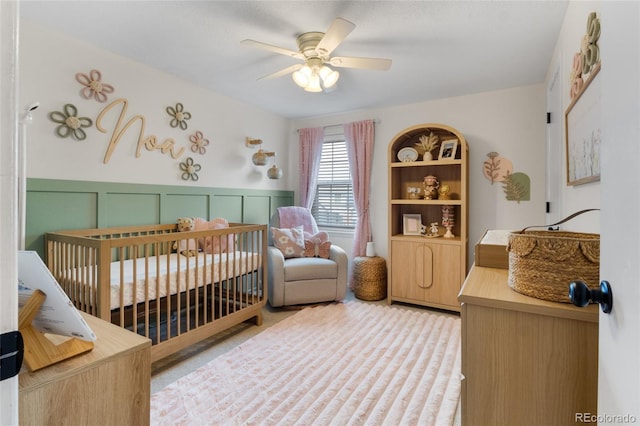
(427, 156)
(431, 186)
(371, 251)
(274, 172)
(259, 158)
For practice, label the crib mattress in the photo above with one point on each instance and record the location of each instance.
(158, 276)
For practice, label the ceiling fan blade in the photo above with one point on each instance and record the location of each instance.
(272, 48)
(338, 31)
(282, 72)
(364, 63)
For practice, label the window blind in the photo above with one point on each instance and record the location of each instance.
(333, 204)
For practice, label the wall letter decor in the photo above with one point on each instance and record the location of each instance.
(149, 142)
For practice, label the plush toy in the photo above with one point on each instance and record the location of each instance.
(214, 244)
(187, 247)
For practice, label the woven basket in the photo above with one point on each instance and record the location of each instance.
(370, 278)
(543, 263)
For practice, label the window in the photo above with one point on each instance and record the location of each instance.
(333, 204)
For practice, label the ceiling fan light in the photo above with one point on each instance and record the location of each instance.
(314, 84)
(302, 76)
(329, 76)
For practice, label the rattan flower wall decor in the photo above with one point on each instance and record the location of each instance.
(190, 169)
(69, 122)
(180, 116)
(93, 86)
(198, 142)
(585, 60)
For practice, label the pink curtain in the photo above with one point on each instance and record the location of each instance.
(311, 141)
(359, 137)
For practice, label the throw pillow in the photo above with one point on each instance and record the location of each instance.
(289, 241)
(320, 237)
(317, 249)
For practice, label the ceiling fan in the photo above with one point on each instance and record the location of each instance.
(315, 48)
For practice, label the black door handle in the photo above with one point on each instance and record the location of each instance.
(580, 294)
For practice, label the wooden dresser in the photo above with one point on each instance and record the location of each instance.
(524, 360)
(110, 385)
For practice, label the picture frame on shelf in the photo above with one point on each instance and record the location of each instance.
(583, 135)
(411, 224)
(448, 149)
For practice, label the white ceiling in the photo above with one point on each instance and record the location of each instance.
(439, 49)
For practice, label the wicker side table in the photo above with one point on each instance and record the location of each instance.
(370, 278)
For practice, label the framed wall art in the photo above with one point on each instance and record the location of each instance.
(583, 132)
(448, 149)
(411, 224)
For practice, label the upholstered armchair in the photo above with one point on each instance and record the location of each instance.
(311, 273)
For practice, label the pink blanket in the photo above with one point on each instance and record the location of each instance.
(295, 216)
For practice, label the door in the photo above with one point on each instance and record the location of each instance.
(619, 344)
(9, 197)
(555, 147)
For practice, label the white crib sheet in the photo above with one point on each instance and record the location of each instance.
(180, 274)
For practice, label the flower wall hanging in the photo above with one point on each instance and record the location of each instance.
(587, 58)
(190, 169)
(198, 142)
(180, 116)
(93, 86)
(70, 123)
(517, 187)
(496, 168)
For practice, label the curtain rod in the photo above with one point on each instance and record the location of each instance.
(375, 120)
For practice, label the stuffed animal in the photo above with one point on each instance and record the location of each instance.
(187, 247)
(214, 244)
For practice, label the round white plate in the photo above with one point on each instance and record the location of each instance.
(407, 154)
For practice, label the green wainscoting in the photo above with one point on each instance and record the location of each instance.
(54, 205)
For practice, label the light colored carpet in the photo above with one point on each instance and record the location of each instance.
(350, 363)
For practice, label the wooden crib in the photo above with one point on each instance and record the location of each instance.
(133, 277)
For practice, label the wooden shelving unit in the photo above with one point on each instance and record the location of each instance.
(427, 271)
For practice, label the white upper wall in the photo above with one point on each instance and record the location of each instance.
(510, 122)
(48, 64)
(573, 198)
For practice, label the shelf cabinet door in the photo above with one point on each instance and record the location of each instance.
(426, 272)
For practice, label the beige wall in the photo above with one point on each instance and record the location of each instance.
(48, 63)
(573, 198)
(511, 122)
